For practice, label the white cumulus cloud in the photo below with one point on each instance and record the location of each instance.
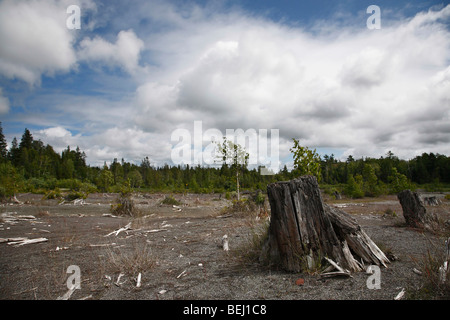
(125, 52)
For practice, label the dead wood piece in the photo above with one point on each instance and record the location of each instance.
(154, 230)
(335, 274)
(400, 295)
(116, 232)
(17, 242)
(225, 243)
(68, 294)
(14, 218)
(138, 280)
(15, 200)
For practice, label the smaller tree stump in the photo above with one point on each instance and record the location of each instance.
(414, 210)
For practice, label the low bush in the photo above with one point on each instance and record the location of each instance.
(170, 200)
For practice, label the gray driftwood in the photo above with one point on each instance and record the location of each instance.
(304, 229)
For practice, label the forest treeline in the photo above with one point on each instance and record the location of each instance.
(32, 166)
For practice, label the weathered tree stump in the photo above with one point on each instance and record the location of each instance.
(303, 229)
(414, 210)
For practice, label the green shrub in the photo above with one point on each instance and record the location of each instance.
(76, 195)
(170, 200)
(124, 206)
(52, 194)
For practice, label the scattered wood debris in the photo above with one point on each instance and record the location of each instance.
(400, 295)
(12, 217)
(138, 280)
(182, 274)
(15, 200)
(79, 201)
(225, 243)
(118, 283)
(19, 241)
(68, 294)
(109, 215)
(340, 271)
(444, 269)
(116, 232)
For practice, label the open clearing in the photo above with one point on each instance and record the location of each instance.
(178, 251)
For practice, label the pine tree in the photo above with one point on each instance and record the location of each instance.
(3, 145)
(27, 140)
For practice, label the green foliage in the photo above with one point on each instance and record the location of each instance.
(32, 166)
(170, 200)
(234, 155)
(10, 180)
(135, 179)
(52, 194)
(76, 195)
(354, 188)
(398, 182)
(306, 161)
(105, 179)
(259, 198)
(3, 145)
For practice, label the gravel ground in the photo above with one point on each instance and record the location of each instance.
(178, 252)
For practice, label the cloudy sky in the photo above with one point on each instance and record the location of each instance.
(136, 71)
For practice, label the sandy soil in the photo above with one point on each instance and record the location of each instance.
(179, 254)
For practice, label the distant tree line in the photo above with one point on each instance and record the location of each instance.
(32, 166)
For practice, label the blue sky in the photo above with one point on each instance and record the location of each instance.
(138, 70)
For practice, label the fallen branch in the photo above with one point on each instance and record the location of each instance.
(116, 232)
(68, 294)
(340, 271)
(181, 274)
(7, 217)
(138, 281)
(17, 242)
(400, 295)
(154, 230)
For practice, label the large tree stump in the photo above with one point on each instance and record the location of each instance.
(414, 210)
(303, 229)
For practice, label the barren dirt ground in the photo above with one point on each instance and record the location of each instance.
(179, 254)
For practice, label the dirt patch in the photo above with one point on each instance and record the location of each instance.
(177, 250)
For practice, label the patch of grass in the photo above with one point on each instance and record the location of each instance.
(389, 213)
(131, 261)
(250, 250)
(241, 208)
(431, 287)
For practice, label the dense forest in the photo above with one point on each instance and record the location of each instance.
(32, 166)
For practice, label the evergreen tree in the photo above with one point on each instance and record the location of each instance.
(13, 154)
(27, 140)
(3, 145)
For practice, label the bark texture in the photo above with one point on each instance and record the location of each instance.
(303, 230)
(414, 210)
